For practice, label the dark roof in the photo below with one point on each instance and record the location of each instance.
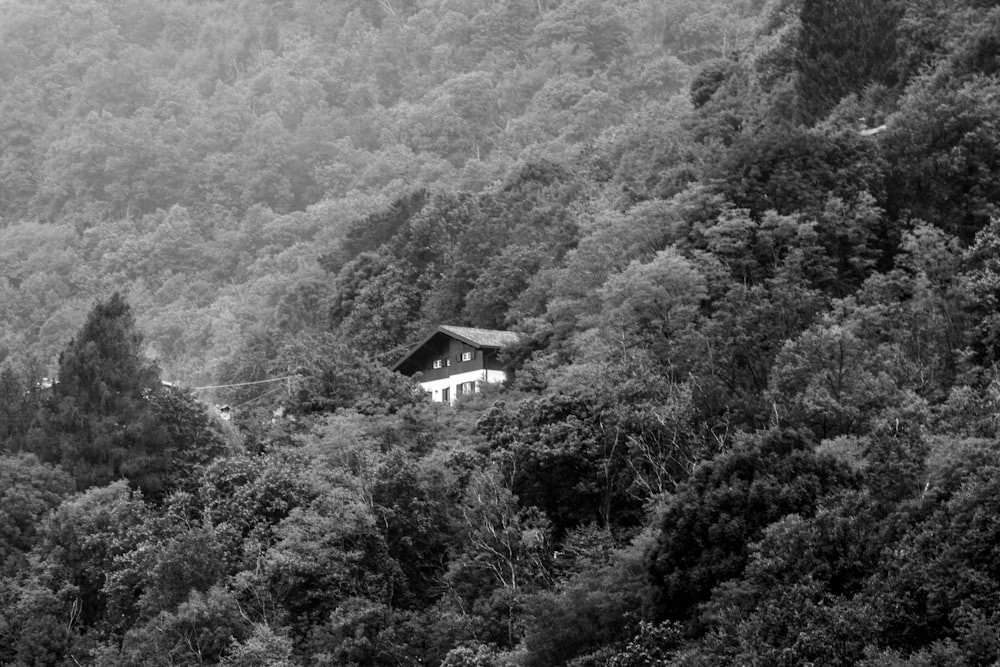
(477, 338)
(481, 337)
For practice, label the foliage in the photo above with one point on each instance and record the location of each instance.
(597, 604)
(29, 489)
(751, 247)
(86, 543)
(708, 524)
(843, 47)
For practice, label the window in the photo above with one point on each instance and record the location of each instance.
(447, 362)
(466, 388)
(467, 356)
(445, 395)
(437, 363)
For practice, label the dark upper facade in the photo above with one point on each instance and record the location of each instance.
(454, 351)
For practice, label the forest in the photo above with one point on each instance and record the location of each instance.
(752, 247)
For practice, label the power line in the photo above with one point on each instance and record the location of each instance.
(246, 384)
(401, 348)
(256, 398)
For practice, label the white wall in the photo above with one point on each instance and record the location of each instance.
(434, 387)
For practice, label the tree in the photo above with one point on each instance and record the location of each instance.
(263, 648)
(362, 632)
(802, 596)
(326, 553)
(204, 628)
(192, 440)
(941, 146)
(697, 31)
(648, 304)
(99, 414)
(798, 624)
(653, 646)
(384, 312)
(707, 526)
(86, 543)
(593, 30)
(368, 234)
(566, 455)
(28, 491)
(833, 379)
(244, 497)
(794, 170)
(110, 417)
(417, 521)
(938, 582)
(21, 398)
(843, 46)
(740, 341)
(499, 284)
(332, 375)
(506, 556)
(169, 567)
(598, 600)
(33, 624)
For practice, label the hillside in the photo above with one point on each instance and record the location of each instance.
(203, 155)
(752, 248)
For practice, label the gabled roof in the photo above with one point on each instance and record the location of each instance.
(481, 337)
(477, 338)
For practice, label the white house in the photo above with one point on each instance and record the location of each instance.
(457, 360)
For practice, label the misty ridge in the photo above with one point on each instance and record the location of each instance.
(730, 270)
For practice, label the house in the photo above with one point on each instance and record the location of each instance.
(457, 360)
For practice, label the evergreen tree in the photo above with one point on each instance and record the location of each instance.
(844, 45)
(103, 369)
(99, 423)
(20, 399)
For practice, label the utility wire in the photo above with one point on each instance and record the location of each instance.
(401, 348)
(256, 398)
(246, 384)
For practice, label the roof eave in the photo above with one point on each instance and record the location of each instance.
(467, 341)
(451, 334)
(414, 349)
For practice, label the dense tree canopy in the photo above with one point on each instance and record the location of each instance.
(751, 247)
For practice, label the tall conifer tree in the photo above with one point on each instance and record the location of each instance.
(844, 46)
(101, 421)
